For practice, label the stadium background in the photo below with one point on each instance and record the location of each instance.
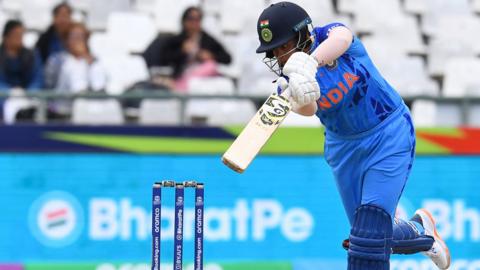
(284, 212)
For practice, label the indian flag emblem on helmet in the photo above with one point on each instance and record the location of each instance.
(267, 34)
(264, 23)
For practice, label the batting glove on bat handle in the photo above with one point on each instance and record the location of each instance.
(304, 90)
(286, 92)
(282, 84)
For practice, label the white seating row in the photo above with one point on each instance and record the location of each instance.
(438, 114)
(218, 112)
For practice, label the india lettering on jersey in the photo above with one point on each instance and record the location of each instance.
(335, 95)
(355, 96)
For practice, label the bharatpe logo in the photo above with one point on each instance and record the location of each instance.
(56, 219)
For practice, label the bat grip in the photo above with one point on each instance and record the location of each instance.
(286, 93)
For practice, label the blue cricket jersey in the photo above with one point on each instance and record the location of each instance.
(355, 97)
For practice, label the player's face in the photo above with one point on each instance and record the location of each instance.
(284, 52)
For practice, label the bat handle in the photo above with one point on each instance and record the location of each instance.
(286, 93)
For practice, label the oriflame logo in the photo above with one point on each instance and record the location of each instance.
(56, 219)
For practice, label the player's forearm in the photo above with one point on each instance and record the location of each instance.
(307, 110)
(337, 43)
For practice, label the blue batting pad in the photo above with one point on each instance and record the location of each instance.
(370, 239)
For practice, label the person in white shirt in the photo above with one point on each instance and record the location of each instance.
(74, 70)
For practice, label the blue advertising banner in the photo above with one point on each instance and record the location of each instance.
(97, 208)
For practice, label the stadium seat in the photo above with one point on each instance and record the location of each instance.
(79, 16)
(297, 120)
(97, 15)
(346, 6)
(438, 9)
(12, 6)
(409, 77)
(30, 38)
(426, 113)
(371, 14)
(441, 50)
(448, 27)
(144, 6)
(15, 103)
(3, 19)
(211, 86)
(321, 11)
(81, 5)
(242, 49)
(382, 49)
(218, 112)
(257, 81)
(261, 87)
(168, 14)
(210, 25)
(102, 46)
(133, 30)
(211, 7)
(400, 33)
(407, 74)
(240, 15)
(416, 6)
(124, 71)
(97, 112)
(474, 115)
(252, 69)
(36, 15)
(160, 112)
(461, 77)
(476, 6)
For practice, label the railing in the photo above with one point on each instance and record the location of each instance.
(42, 98)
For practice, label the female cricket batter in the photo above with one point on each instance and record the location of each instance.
(370, 138)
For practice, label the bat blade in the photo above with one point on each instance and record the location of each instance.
(256, 133)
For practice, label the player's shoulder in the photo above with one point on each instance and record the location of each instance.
(322, 32)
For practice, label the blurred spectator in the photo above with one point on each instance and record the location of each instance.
(51, 41)
(193, 52)
(20, 68)
(74, 70)
(153, 54)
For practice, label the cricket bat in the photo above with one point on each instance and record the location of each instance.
(257, 132)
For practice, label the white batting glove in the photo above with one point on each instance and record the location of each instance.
(282, 83)
(301, 63)
(303, 90)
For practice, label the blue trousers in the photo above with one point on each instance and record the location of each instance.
(373, 167)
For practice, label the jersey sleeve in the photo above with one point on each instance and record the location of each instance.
(356, 49)
(322, 33)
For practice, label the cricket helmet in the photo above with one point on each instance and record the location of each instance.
(279, 23)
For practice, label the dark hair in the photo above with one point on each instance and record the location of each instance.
(10, 25)
(57, 8)
(189, 10)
